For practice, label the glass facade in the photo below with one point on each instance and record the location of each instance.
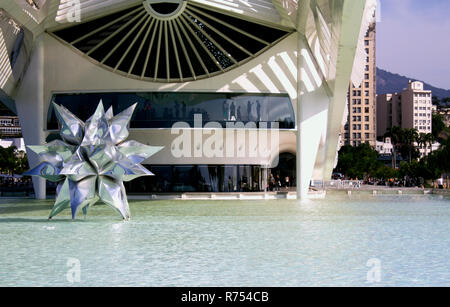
(212, 178)
(163, 109)
(199, 178)
(216, 178)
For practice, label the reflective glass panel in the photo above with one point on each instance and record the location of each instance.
(163, 109)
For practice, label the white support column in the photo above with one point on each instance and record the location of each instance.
(321, 103)
(349, 33)
(30, 109)
(312, 117)
(302, 192)
(302, 17)
(312, 105)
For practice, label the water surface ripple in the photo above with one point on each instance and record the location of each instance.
(231, 243)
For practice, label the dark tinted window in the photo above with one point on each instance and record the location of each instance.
(199, 178)
(163, 109)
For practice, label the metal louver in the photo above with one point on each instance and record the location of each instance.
(148, 43)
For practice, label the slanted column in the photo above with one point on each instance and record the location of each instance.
(30, 109)
(352, 13)
(312, 118)
(312, 125)
(302, 192)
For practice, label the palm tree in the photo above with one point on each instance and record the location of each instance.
(429, 140)
(410, 137)
(426, 139)
(422, 140)
(397, 136)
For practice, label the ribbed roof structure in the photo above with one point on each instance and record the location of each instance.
(170, 40)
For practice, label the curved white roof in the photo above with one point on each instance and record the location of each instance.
(185, 41)
(263, 11)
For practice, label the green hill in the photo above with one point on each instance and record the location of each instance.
(388, 83)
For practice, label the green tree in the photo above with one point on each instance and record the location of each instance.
(397, 136)
(422, 140)
(410, 137)
(439, 161)
(429, 140)
(21, 165)
(438, 126)
(7, 160)
(446, 101)
(385, 172)
(12, 161)
(404, 143)
(426, 140)
(358, 162)
(435, 100)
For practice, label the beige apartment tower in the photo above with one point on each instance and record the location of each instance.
(361, 122)
(410, 109)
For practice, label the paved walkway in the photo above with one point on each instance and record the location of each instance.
(315, 192)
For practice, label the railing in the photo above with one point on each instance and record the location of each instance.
(16, 190)
(336, 184)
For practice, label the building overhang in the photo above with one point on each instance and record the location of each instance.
(199, 39)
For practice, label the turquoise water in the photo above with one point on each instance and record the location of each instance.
(231, 243)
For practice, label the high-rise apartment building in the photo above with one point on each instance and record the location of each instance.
(361, 122)
(389, 113)
(410, 109)
(417, 108)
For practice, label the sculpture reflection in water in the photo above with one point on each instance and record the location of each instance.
(92, 160)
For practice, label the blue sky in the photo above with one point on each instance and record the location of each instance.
(413, 39)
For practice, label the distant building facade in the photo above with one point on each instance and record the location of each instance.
(10, 127)
(11, 132)
(361, 122)
(384, 148)
(417, 108)
(412, 108)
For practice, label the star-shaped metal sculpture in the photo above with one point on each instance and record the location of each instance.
(92, 161)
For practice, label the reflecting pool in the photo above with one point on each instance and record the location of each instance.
(231, 243)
